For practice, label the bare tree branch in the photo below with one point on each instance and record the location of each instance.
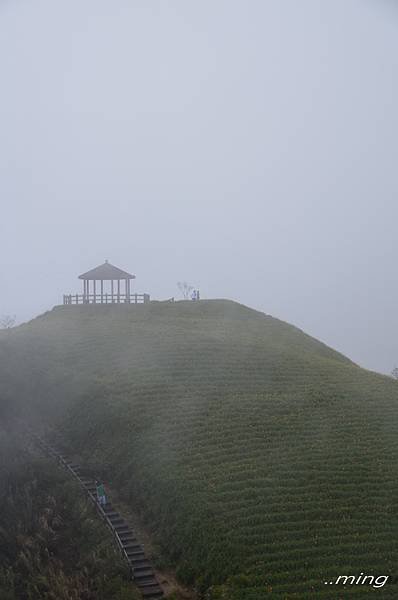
(7, 321)
(394, 373)
(185, 289)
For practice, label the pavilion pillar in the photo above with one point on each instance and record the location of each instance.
(127, 290)
(95, 290)
(102, 291)
(88, 290)
(112, 289)
(118, 290)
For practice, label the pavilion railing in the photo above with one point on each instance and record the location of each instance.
(106, 298)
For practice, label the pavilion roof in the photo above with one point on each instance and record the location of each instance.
(106, 272)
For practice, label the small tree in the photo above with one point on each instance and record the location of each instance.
(185, 289)
(394, 373)
(7, 321)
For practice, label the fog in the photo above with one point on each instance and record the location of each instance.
(248, 148)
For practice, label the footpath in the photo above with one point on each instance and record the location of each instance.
(141, 569)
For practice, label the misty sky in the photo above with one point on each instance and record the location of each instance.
(247, 147)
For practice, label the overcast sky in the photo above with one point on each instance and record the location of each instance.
(248, 147)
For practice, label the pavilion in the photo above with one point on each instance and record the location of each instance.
(106, 284)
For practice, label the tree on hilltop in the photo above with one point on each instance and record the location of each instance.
(7, 321)
(185, 289)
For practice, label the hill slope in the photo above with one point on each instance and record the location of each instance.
(264, 462)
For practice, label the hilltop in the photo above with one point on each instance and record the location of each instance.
(264, 462)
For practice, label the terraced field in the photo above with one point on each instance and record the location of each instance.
(264, 463)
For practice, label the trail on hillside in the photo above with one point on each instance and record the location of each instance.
(141, 569)
(139, 552)
(51, 548)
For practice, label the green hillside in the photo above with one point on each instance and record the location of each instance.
(263, 462)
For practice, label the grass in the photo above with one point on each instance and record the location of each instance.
(264, 462)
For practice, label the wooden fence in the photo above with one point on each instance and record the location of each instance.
(106, 298)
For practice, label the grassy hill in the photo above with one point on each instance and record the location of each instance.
(264, 462)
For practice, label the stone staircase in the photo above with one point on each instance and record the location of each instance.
(141, 569)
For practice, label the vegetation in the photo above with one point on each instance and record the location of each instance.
(52, 546)
(264, 462)
(7, 321)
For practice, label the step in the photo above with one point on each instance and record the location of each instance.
(143, 575)
(133, 560)
(155, 593)
(135, 555)
(126, 533)
(143, 578)
(140, 563)
(112, 514)
(133, 547)
(123, 527)
(115, 520)
(126, 539)
(148, 582)
(126, 536)
(151, 591)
